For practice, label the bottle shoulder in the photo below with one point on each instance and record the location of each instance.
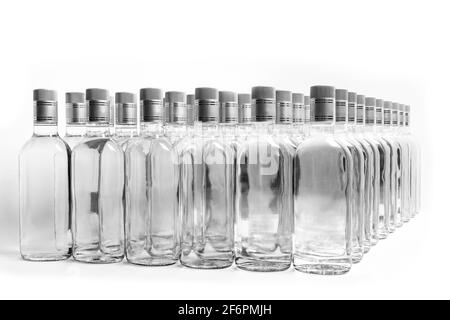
(52, 144)
(100, 144)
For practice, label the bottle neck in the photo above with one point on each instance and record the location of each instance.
(152, 128)
(75, 130)
(125, 131)
(98, 130)
(45, 130)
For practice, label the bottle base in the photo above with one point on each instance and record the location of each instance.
(357, 257)
(383, 234)
(207, 264)
(96, 257)
(259, 265)
(45, 257)
(323, 269)
(152, 261)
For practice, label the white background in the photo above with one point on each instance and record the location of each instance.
(396, 50)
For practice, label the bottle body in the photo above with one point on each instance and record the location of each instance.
(45, 198)
(264, 203)
(323, 197)
(152, 199)
(207, 208)
(98, 198)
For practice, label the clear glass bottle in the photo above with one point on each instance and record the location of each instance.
(343, 134)
(415, 164)
(44, 186)
(75, 118)
(98, 187)
(152, 221)
(307, 125)
(263, 194)
(363, 134)
(380, 223)
(394, 150)
(385, 169)
(126, 118)
(394, 135)
(298, 118)
(207, 189)
(406, 165)
(323, 194)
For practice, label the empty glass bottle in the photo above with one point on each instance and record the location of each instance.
(152, 182)
(98, 187)
(373, 194)
(44, 186)
(75, 118)
(263, 193)
(342, 133)
(207, 189)
(406, 165)
(393, 135)
(323, 193)
(126, 118)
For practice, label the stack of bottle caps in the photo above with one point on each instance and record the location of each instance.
(264, 180)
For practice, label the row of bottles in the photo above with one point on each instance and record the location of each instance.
(264, 180)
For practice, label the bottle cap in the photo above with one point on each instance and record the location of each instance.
(229, 107)
(360, 108)
(298, 108)
(370, 103)
(379, 112)
(284, 106)
(76, 111)
(244, 98)
(176, 101)
(45, 106)
(207, 104)
(322, 103)
(245, 108)
(341, 105)
(98, 105)
(264, 103)
(151, 105)
(126, 109)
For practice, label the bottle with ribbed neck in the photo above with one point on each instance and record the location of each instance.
(207, 161)
(126, 118)
(341, 130)
(371, 221)
(75, 118)
(44, 186)
(152, 225)
(323, 193)
(98, 187)
(264, 205)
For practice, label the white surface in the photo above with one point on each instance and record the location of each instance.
(397, 50)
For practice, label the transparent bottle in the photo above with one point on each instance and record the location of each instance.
(406, 165)
(207, 189)
(415, 164)
(307, 125)
(385, 169)
(362, 134)
(343, 134)
(75, 118)
(380, 223)
(263, 193)
(298, 118)
(126, 118)
(323, 194)
(44, 186)
(395, 150)
(400, 150)
(152, 221)
(98, 187)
